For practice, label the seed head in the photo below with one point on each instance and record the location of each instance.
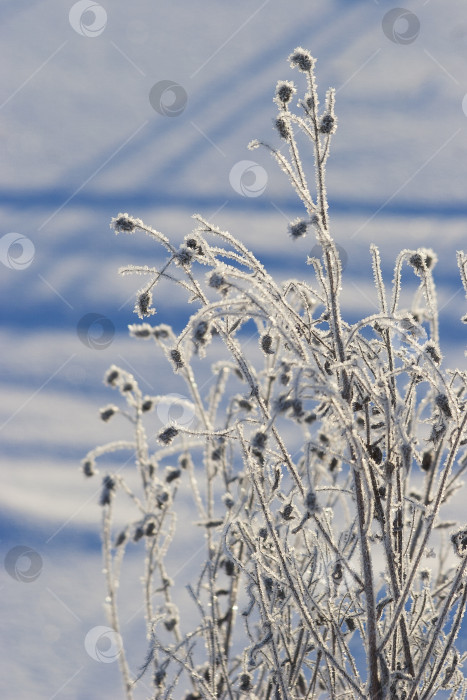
(143, 304)
(216, 281)
(112, 376)
(302, 59)
(161, 331)
(375, 453)
(282, 127)
(108, 487)
(245, 682)
(266, 344)
(184, 255)
(138, 534)
(311, 502)
(147, 405)
(167, 435)
(200, 331)
(159, 676)
(195, 246)
(176, 357)
(459, 541)
(253, 144)
(287, 512)
(328, 124)
(285, 90)
(107, 412)
(89, 467)
(120, 539)
(124, 223)
(298, 228)
(228, 500)
(172, 473)
(443, 403)
(140, 330)
(416, 261)
(150, 529)
(433, 353)
(258, 441)
(427, 461)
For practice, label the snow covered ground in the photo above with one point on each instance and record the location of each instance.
(148, 108)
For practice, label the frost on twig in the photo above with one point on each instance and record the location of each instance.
(318, 468)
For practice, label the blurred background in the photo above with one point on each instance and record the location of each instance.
(147, 108)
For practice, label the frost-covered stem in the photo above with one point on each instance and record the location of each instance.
(383, 305)
(141, 445)
(384, 522)
(295, 590)
(233, 598)
(331, 255)
(374, 685)
(295, 157)
(112, 596)
(450, 641)
(435, 635)
(319, 169)
(427, 498)
(431, 520)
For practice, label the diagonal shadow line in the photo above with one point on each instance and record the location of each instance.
(55, 291)
(83, 505)
(94, 174)
(142, 198)
(174, 163)
(33, 75)
(28, 401)
(227, 41)
(440, 65)
(52, 697)
(357, 71)
(404, 184)
(259, 65)
(74, 514)
(63, 604)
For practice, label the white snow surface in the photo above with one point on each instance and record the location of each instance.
(80, 141)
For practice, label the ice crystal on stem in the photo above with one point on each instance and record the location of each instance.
(319, 469)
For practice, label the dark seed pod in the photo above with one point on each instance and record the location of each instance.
(416, 261)
(427, 461)
(287, 512)
(245, 682)
(433, 353)
(375, 453)
(459, 541)
(327, 368)
(139, 533)
(443, 403)
(266, 344)
(167, 435)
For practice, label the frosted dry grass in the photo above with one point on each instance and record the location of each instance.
(317, 578)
